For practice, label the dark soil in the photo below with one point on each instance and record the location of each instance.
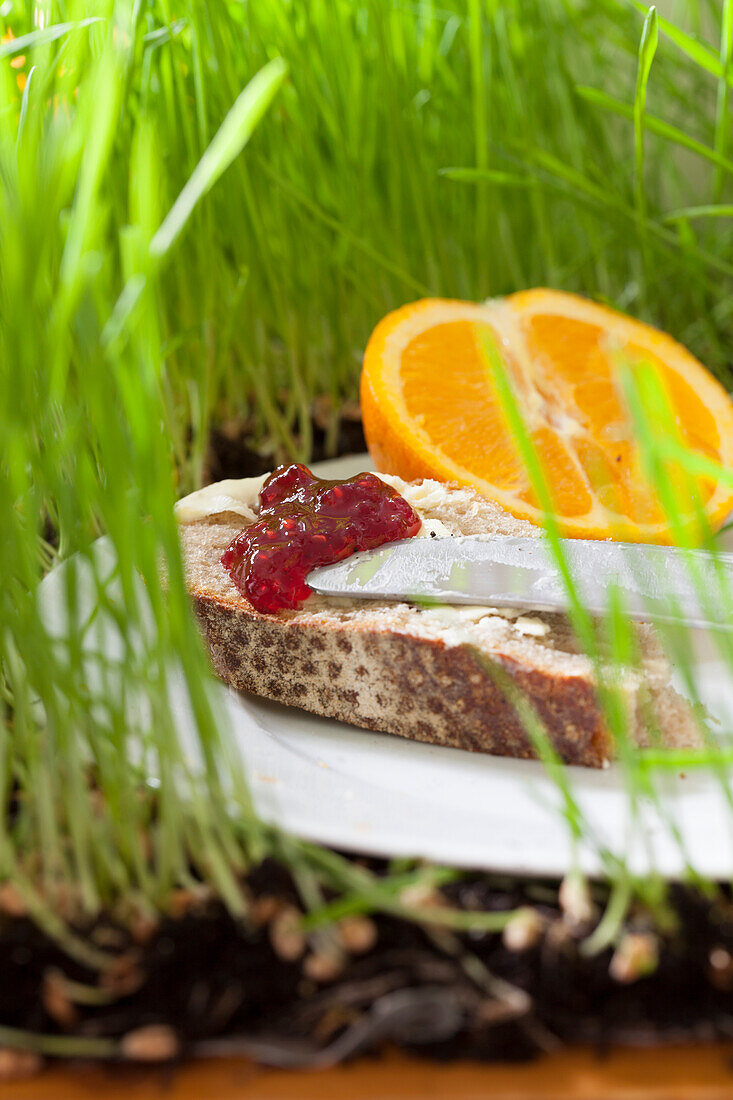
(201, 982)
(231, 455)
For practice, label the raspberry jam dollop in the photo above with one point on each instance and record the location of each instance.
(304, 522)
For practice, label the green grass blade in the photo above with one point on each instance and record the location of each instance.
(722, 109)
(232, 136)
(42, 37)
(711, 211)
(647, 50)
(702, 55)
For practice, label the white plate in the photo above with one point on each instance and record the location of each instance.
(373, 793)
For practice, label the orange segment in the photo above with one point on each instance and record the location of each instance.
(445, 391)
(430, 409)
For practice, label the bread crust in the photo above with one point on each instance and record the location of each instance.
(383, 680)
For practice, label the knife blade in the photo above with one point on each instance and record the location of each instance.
(691, 587)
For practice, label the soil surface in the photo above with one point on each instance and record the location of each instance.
(230, 454)
(200, 982)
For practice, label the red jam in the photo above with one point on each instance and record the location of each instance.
(305, 522)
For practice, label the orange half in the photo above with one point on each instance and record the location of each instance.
(431, 409)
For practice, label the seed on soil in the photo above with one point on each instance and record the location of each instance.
(323, 966)
(421, 895)
(635, 957)
(182, 901)
(286, 935)
(560, 939)
(721, 969)
(143, 926)
(357, 934)
(265, 908)
(123, 975)
(56, 1000)
(575, 900)
(155, 1043)
(523, 930)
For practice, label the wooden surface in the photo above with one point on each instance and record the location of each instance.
(678, 1073)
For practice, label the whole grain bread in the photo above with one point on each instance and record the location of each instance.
(438, 675)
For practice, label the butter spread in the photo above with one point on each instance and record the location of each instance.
(234, 495)
(423, 497)
(527, 624)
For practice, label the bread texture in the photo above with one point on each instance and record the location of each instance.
(447, 676)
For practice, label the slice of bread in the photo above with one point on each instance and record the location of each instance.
(425, 674)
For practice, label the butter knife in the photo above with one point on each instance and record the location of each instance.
(691, 587)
